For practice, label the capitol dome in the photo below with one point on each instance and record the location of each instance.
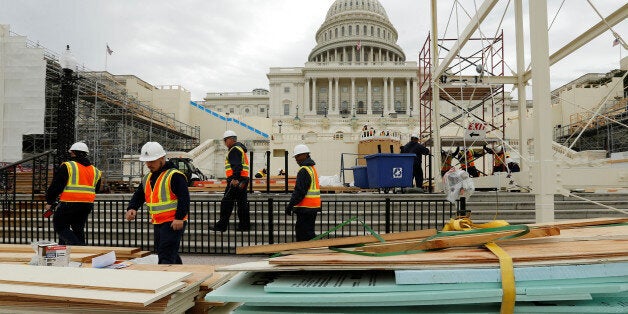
(350, 23)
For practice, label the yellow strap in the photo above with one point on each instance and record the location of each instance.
(508, 278)
(465, 223)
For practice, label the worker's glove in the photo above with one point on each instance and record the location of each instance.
(289, 210)
(49, 210)
(48, 213)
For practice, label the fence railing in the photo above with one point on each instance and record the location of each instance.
(106, 226)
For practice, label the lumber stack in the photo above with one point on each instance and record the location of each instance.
(563, 267)
(137, 289)
(23, 253)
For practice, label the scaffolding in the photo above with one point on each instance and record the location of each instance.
(475, 95)
(606, 131)
(110, 121)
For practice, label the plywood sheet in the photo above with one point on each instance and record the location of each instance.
(89, 278)
(13, 257)
(87, 295)
(472, 239)
(280, 247)
(533, 252)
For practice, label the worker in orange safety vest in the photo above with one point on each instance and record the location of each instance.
(165, 192)
(75, 184)
(306, 197)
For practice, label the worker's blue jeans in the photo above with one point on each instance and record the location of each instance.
(167, 243)
(306, 219)
(69, 222)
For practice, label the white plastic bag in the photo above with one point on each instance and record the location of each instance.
(456, 183)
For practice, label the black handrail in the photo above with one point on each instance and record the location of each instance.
(17, 163)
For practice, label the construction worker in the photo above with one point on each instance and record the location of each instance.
(414, 147)
(281, 172)
(467, 158)
(447, 157)
(306, 197)
(165, 192)
(75, 184)
(261, 173)
(499, 158)
(237, 172)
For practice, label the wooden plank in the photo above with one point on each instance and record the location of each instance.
(74, 249)
(89, 278)
(551, 251)
(273, 248)
(458, 240)
(87, 295)
(575, 223)
(12, 257)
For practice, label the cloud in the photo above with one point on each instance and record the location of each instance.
(229, 45)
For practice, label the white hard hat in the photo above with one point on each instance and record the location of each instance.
(229, 133)
(509, 160)
(499, 149)
(152, 151)
(79, 146)
(300, 149)
(414, 135)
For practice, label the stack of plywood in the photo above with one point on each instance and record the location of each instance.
(23, 253)
(564, 267)
(138, 289)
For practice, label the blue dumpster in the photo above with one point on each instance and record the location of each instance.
(360, 177)
(389, 170)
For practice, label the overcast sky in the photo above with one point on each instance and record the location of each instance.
(229, 45)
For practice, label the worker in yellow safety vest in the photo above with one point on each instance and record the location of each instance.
(499, 158)
(75, 184)
(237, 173)
(447, 158)
(165, 192)
(467, 158)
(261, 173)
(306, 197)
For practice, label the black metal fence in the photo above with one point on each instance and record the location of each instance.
(106, 226)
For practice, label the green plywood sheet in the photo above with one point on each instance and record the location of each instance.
(411, 277)
(597, 305)
(249, 288)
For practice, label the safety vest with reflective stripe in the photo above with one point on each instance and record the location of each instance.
(499, 159)
(313, 197)
(469, 161)
(245, 163)
(161, 202)
(81, 185)
(447, 163)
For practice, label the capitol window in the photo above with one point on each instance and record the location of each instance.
(378, 32)
(344, 89)
(247, 110)
(376, 89)
(397, 88)
(338, 136)
(372, 30)
(342, 33)
(286, 89)
(357, 29)
(360, 89)
(350, 28)
(364, 29)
